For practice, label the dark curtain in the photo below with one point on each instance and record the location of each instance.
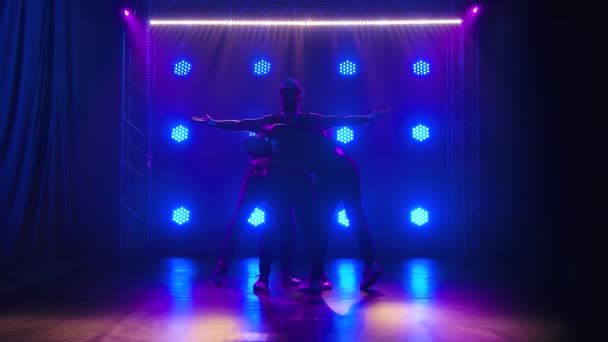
(36, 126)
(59, 127)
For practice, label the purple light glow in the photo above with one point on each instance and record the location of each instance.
(475, 9)
(127, 13)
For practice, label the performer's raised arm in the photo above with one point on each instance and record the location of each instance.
(251, 125)
(333, 121)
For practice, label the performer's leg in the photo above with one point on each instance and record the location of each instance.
(288, 246)
(245, 205)
(267, 245)
(350, 184)
(315, 216)
(277, 209)
(288, 240)
(358, 222)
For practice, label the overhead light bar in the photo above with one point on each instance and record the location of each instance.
(304, 23)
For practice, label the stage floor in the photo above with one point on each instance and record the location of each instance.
(175, 300)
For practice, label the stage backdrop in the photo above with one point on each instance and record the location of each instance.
(198, 70)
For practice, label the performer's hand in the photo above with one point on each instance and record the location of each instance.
(206, 120)
(379, 112)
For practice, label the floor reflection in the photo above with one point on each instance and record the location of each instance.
(175, 300)
(346, 277)
(420, 279)
(180, 283)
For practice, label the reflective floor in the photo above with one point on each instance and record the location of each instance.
(175, 300)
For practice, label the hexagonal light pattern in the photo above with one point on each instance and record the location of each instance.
(179, 133)
(348, 68)
(419, 216)
(420, 133)
(261, 67)
(256, 218)
(181, 215)
(345, 135)
(182, 68)
(343, 219)
(421, 68)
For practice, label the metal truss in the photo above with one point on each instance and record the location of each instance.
(135, 233)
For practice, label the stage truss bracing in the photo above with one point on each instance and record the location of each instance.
(135, 159)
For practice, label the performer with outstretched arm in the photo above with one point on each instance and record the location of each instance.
(290, 99)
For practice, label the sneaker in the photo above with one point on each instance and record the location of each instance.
(287, 278)
(219, 273)
(261, 285)
(311, 287)
(371, 274)
(325, 283)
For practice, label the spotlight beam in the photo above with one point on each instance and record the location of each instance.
(303, 23)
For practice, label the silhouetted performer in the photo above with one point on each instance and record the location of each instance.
(254, 190)
(313, 200)
(290, 97)
(340, 173)
(348, 183)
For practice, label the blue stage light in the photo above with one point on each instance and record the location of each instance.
(261, 67)
(256, 218)
(345, 135)
(343, 219)
(179, 133)
(421, 68)
(182, 68)
(419, 216)
(420, 133)
(348, 68)
(181, 215)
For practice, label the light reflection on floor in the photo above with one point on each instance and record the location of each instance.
(184, 305)
(420, 279)
(180, 283)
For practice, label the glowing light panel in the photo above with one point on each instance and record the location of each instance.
(179, 133)
(343, 219)
(345, 135)
(182, 68)
(261, 67)
(256, 218)
(420, 133)
(419, 216)
(421, 68)
(181, 215)
(348, 68)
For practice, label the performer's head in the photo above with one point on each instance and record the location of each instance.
(290, 96)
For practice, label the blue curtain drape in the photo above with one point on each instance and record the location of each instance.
(37, 126)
